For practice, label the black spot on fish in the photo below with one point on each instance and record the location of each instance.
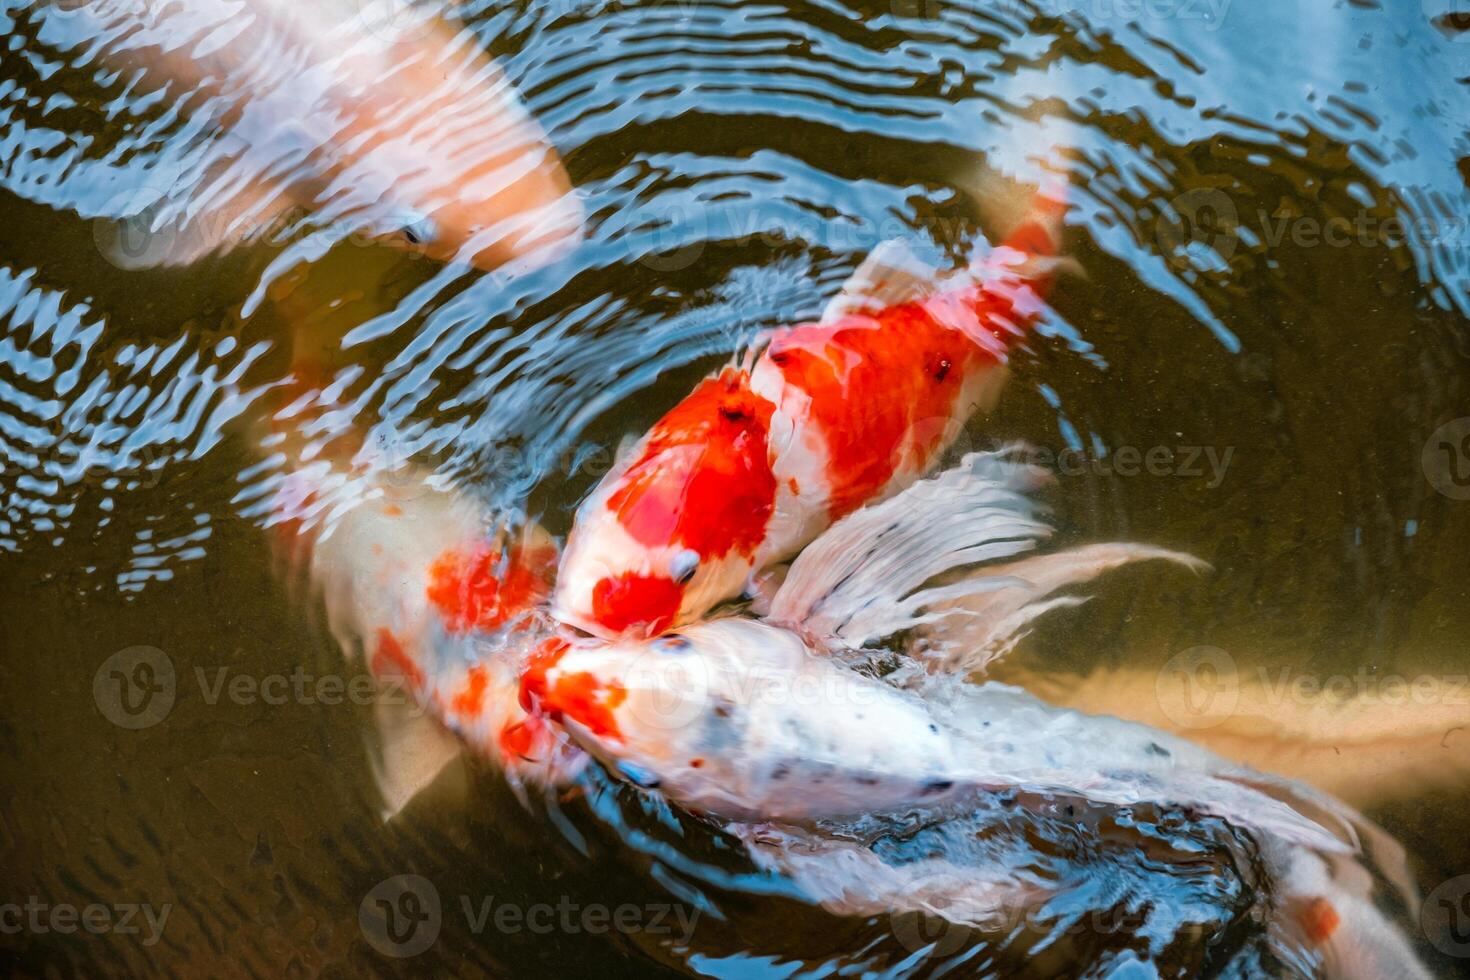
(868, 780)
(932, 786)
(734, 414)
(942, 372)
(1154, 748)
(780, 772)
(934, 728)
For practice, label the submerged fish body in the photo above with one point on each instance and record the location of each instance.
(399, 127)
(442, 606)
(759, 460)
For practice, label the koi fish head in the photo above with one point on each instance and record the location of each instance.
(674, 709)
(675, 530)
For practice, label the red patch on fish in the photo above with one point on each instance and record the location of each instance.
(588, 700)
(468, 702)
(871, 383)
(648, 601)
(1319, 920)
(704, 480)
(391, 660)
(480, 589)
(533, 674)
(581, 696)
(523, 739)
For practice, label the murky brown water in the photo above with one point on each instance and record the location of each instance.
(1280, 375)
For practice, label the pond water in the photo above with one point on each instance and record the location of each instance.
(1266, 364)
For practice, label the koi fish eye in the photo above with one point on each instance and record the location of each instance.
(420, 229)
(683, 566)
(672, 643)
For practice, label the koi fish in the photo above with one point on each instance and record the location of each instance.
(757, 461)
(440, 603)
(769, 726)
(404, 130)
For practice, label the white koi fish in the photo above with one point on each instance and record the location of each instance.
(763, 723)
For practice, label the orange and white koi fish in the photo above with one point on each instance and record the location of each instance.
(763, 722)
(403, 129)
(443, 607)
(832, 415)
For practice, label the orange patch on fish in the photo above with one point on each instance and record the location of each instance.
(1319, 920)
(471, 698)
(704, 479)
(391, 660)
(581, 696)
(521, 739)
(871, 381)
(481, 589)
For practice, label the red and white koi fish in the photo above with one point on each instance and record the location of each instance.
(755, 463)
(443, 606)
(405, 130)
(763, 723)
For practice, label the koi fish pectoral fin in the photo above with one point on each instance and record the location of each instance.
(908, 564)
(864, 578)
(409, 749)
(973, 621)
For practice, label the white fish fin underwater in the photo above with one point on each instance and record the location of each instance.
(409, 749)
(857, 582)
(891, 275)
(971, 622)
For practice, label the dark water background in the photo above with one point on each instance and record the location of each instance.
(737, 159)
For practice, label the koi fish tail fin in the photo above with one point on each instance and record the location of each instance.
(907, 564)
(1034, 219)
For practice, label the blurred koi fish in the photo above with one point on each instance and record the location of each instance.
(399, 128)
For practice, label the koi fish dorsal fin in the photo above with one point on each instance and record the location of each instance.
(891, 274)
(862, 579)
